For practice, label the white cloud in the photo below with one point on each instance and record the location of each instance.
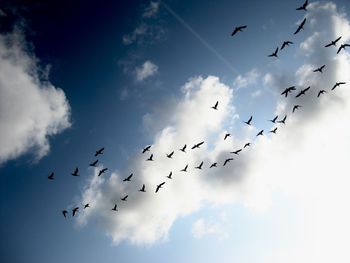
(151, 10)
(147, 70)
(214, 227)
(31, 110)
(250, 78)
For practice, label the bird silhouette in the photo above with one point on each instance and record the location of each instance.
(159, 186)
(169, 176)
(274, 54)
(64, 212)
(338, 84)
(227, 161)
(286, 44)
(246, 145)
(100, 151)
(321, 92)
(170, 155)
(102, 171)
(76, 172)
(333, 43)
(75, 210)
(115, 208)
(295, 108)
(93, 164)
(320, 69)
(146, 149)
(283, 120)
(249, 121)
(274, 130)
(199, 166)
(238, 29)
(86, 205)
(302, 92)
(213, 165)
(184, 169)
(227, 135)
(183, 149)
(288, 90)
(215, 107)
(300, 27)
(303, 7)
(50, 177)
(124, 198)
(274, 119)
(150, 158)
(237, 152)
(128, 179)
(197, 145)
(143, 188)
(260, 133)
(343, 46)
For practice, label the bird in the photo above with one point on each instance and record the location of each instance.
(75, 173)
(274, 54)
(100, 151)
(238, 29)
(338, 84)
(296, 107)
(286, 43)
(170, 155)
(169, 176)
(50, 177)
(146, 148)
(86, 205)
(184, 169)
(274, 130)
(124, 198)
(93, 164)
(321, 92)
(128, 179)
(102, 171)
(302, 92)
(274, 119)
(215, 107)
(197, 145)
(227, 160)
(114, 208)
(75, 210)
(287, 90)
(227, 135)
(143, 188)
(213, 165)
(150, 158)
(64, 212)
(333, 43)
(246, 145)
(283, 120)
(320, 69)
(249, 121)
(237, 152)
(199, 166)
(159, 186)
(303, 7)
(300, 27)
(343, 46)
(183, 149)
(260, 133)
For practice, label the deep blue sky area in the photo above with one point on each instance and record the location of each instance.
(81, 41)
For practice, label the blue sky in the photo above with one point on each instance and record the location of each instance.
(78, 77)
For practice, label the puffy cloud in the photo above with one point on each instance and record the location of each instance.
(31, 110)
(148, 69)
(250, 78)
(213, 227)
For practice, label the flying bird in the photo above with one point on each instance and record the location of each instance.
(227, 160)
(283, 120)
(115, 208)
(227, 135)
(150, 158)
(246, 145)
(76, 172)
(274, 54)
(143, 188)
(260, 133)
(215, 107)
(146, 149)
(100, 151)
(320, 69)
(169, 176)
(124, 198)
(93, 164)
(321, 92)
(184, 169)
(295, 108)
(238, 29)
(303, 7)
(86, 205)
(338, 84)
(286, 44)
(159, 186)
(333, 43)
(343, 46)
(102, 171)
(197, 145)
(237, 152)
(65, 212)
(170, 155)
(50, 177)
(213, 165)
(128, 179)
(302, 92)
(183, 149)
(300, 27)
(75, 210)
(199, 166)
(274, 119)
(249, 121)
(288, 90)
(274, 130)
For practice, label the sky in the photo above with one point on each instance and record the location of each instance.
(76, 77)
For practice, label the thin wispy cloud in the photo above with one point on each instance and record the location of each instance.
(146, 70)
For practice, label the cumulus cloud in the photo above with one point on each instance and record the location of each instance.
(31, 110)
(146, 70)
(214, 227)
(250, 78)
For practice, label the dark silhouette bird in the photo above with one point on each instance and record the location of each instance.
(249, 121)
(115, 208)
(146, 149)
(338, 84)
(50, 177)
(184, 169)
(159, 186)
(75, 210)
(238, 29)
(320, 69)
(102, 171)
(333, 43)
(300, 27)
(274, 119)
(213, 165)
(283, 120)
(227, 161)
(274, 130)
(100, 151)
(246, 145)
(124, 198)
(302, 92)
(274, 54)
(169, 176)
(143, 188)
(197, 145)
(286, 44)
(215, 107)
(199, 166)
(227, 135)
(237, 152)
(128, 179)
(183, 149)
(64, 212)
(321, 92)
(288, 90)
(93, 164)
(86, 205)
(303, 7)
(76, 172)
(150, 158)
(295, 108)
(170, 155)
(260, 133)
(343, 46)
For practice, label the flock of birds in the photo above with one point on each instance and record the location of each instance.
(274, 120)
